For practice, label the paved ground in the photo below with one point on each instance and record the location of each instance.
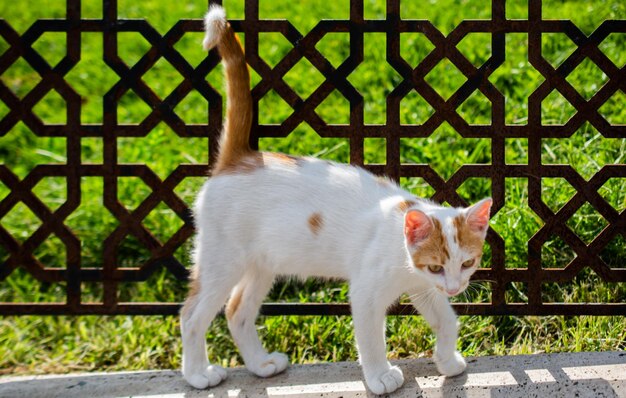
(556, 375)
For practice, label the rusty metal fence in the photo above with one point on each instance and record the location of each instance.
(74, 274)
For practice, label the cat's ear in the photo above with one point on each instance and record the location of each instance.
(478, 215)
(417, 226)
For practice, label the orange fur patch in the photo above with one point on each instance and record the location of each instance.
(281, 158)
(245, 165)
(384, 181)
(405, 205)
(434, 250)
(235, 136)
(315, 223)
(467, 239)
(257, 160)
(233, 303)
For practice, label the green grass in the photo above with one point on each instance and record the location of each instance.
(32, 344)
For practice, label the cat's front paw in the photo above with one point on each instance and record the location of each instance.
(385, 382)
(269, 365)
(209, 377)
(452, 366)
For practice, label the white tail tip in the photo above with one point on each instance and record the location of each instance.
(214, 26)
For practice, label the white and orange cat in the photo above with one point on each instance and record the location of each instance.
(266, 214)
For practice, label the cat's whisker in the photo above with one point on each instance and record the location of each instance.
(465, 294)
(416, 298)
(430, 296)
(477, 288)
(483, 280)
(422, 294)
(419, 294)
(471, 288)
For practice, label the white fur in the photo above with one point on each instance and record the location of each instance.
(214, 26)
(254, 226)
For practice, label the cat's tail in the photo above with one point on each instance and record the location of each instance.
(235, 136)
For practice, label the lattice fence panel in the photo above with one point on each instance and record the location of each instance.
(77, 184)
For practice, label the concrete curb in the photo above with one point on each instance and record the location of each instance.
(588, 374)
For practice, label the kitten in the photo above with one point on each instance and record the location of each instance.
(268, 214)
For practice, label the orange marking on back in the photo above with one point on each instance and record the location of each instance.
(315, 223)
(405, 205)
(242, 165)
(257, 160)
(280, 158)
(384, 181)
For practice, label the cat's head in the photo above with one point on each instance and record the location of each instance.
(446, 244)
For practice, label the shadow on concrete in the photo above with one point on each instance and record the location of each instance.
(594, 374)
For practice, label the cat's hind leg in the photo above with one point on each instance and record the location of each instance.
(241, 313)
(206, 298)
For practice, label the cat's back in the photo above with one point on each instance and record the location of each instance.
(266, 181)
(330, 211)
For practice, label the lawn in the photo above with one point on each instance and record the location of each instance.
(33, 344)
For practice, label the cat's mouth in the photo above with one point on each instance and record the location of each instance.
(449, 292)
(452, 293)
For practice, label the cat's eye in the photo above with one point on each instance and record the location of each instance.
(435, 269)
(468, 263)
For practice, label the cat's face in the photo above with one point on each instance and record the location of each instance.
(446, 247)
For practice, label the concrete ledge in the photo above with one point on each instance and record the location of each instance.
(590, 374)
